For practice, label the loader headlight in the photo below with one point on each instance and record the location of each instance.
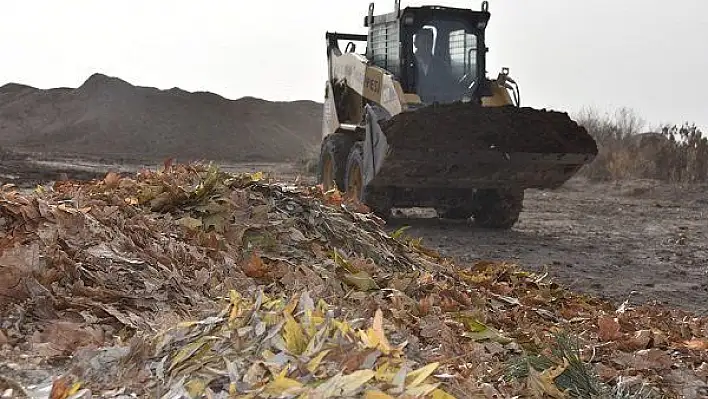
(408, 20)
(481, 25)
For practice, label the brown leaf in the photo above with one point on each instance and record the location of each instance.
(353, 362)
(642, 339)
(111, 180)
(447, 304)
(606, 373)
(697, 344)
(425, 305)
(255, 267)
(648, 359)
(63, 388)
(543, 385)
(68, 336)
(608, 329)
(431, 326)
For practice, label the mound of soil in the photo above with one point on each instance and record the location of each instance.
(507, 129)
(116, 120)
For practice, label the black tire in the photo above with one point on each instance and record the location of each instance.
(497, 209)
(457, 205)
(336, 147)
(380, 203)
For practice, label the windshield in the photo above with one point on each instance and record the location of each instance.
(446, 60)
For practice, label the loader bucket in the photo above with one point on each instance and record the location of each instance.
(465, 145)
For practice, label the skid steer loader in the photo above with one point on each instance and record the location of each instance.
(413, 121)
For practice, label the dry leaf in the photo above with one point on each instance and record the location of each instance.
(542, 384)
(440, 394)
(362, 281)
(255, 267)
(190, 222)
(111, 180)
(697, 344)
(62, 388)
(418, 376)
(344, 385)
(294, 335)
(377, 395)
(608, 329)
(283, 386)
(425, 305)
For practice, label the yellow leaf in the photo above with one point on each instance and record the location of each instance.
(195, 388)
(187, 352)
(481, 332)
(283, 386)
(398, 233)
(313, 364)
(342, 326)
(383, 373)
(74, 389)
(322, 306)
(235, 299)
(314, 321)
(377, 333)
(418, 376)
(421, 390)
(377, 395)
(368, 338)
(294, 336)
(189, 222)
(440, 394)
(341, 261)
(290, 308)
(345, 385)
(362, 281)
(258, 176)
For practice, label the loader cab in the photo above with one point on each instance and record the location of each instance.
(435, 52)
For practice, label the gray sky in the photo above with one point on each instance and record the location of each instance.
(565, 54)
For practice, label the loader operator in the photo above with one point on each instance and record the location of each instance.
(433, 75)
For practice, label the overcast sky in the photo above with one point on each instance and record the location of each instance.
(648, 55)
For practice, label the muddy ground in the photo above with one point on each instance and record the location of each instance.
(641, 240)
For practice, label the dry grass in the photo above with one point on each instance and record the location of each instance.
(676, 154)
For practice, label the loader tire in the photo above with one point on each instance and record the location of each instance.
(332, 165)
(497, 209)
(378, 202)
(458, 205)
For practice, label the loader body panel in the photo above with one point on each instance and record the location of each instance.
(422, 145)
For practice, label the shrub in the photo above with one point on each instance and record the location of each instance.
(671, 153)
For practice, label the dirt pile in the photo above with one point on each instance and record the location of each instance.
(188, 282)
(508, 129)
(110, 118)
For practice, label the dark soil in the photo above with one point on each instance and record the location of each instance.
(508, 129)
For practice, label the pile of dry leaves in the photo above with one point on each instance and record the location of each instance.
(188, 282)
